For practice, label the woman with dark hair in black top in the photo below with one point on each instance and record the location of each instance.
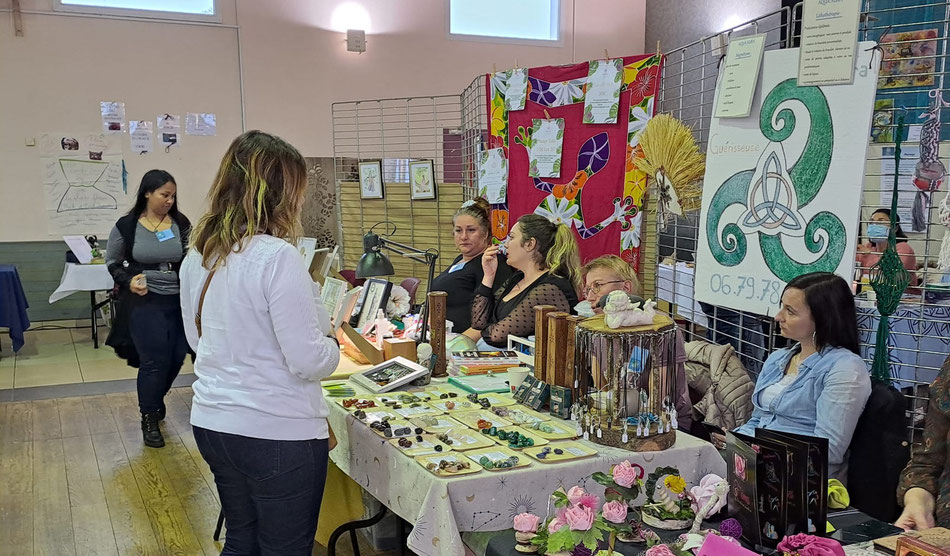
(546, 257)
(459, 280)
(144, 253)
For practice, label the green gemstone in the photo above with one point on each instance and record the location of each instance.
(530, 441)
(502, 435)
(493, 431)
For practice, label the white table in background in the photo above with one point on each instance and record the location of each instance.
(675, 285)
(85, 278)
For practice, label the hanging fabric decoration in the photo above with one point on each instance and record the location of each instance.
(930, 171)
(672, 159)
(888, 277)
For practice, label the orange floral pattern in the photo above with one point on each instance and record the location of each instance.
(571, 189)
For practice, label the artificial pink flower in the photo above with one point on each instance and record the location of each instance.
(809, 545)
(615, 511)
(526, 523)
(555, 524)
(659, 550)
(589, 501)
(575, 494)
(705, 491)
(579, 518)
(625, 473)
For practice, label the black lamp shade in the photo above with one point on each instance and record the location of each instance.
(373, 262)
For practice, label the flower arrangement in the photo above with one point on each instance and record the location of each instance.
(809, 545)
(671, 507)
(580, 519)
(623, 483)
(398, 304)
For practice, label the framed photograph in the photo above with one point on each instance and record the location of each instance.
(389, 375)
(346, 307)
(332, 294)
(371, 180)
(421, 180)
(374, 297)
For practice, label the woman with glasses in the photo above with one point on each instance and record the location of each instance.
(607, 274)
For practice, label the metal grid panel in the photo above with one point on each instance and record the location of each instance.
(920, 329)
(396, 131)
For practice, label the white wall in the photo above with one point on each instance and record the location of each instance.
(294, 65)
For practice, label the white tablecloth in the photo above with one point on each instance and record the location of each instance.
(676, 286)
(82, 278)
(439, 509)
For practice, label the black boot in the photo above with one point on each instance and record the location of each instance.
(151, 434)
(161, 413)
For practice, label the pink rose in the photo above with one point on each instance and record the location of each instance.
(625, 473)
(555, 524)
(575, 494)
(615, 511)
(526, 523)
(579, 518)
(659, 550)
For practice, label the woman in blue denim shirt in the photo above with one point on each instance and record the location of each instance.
(817, 387)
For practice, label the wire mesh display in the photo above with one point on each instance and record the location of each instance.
(913, 34)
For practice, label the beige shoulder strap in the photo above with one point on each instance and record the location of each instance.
(201, 301)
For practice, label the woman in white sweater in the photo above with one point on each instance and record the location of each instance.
(255, 320)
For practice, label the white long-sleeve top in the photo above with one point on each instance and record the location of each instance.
(264, 345)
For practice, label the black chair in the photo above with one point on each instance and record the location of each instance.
(879, 451)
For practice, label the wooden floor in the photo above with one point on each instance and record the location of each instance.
(75, 478)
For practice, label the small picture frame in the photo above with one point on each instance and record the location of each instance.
(371, 179)
(374, 297)
(421, 180)
(345, 310)
(389, 375)
(332, 294)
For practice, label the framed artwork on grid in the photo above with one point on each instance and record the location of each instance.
(421, 180)
(371, 180)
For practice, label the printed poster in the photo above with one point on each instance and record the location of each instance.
(113, 116)
(82, 178)
(782, 192)
(140, 136)
(493, 176)
(517, 80)
(546, 144)
(602, 96)
(169, 130)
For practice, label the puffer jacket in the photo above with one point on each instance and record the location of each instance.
(715, 371)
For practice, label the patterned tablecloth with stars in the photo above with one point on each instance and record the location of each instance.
(440, 509)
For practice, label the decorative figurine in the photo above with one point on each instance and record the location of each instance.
(620, 311)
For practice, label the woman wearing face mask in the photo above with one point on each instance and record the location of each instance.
(870, 253)
(459, 280)
(547, 262)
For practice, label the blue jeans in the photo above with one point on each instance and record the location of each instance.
(270, 491)
(159, 337)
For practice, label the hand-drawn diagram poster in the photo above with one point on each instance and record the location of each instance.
(82, 175)
(782, 192)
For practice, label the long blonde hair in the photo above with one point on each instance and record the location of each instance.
(258, 189)
(557, 248)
